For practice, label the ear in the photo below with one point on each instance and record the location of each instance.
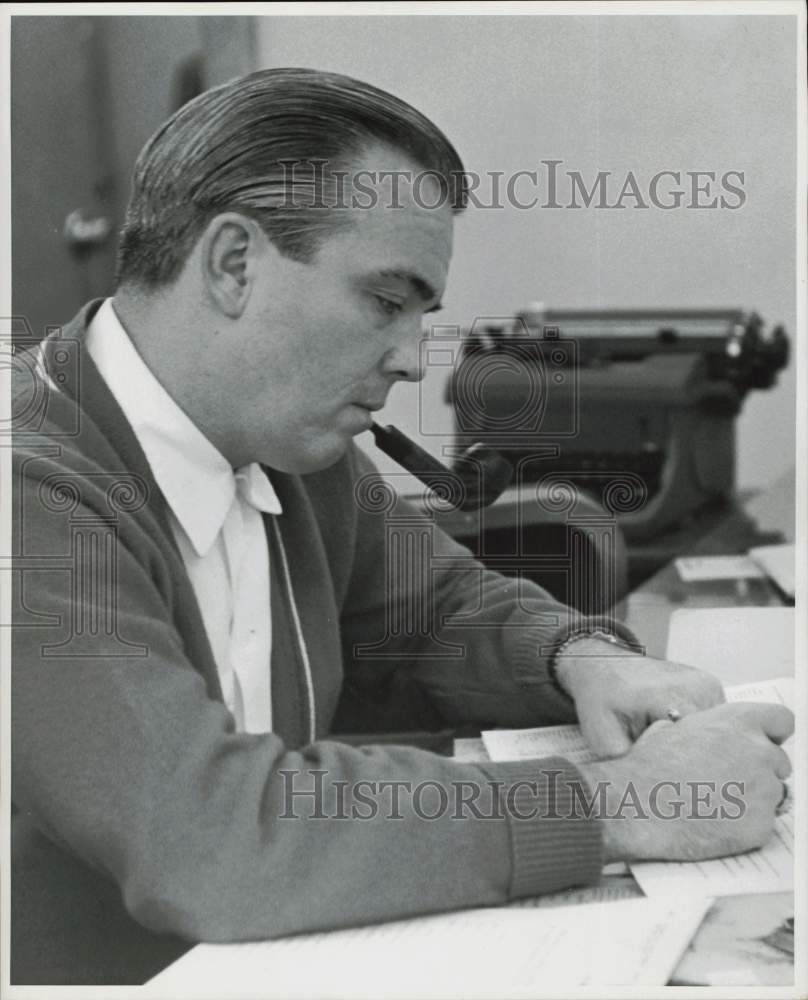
(229, 248)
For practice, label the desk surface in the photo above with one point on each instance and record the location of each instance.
(740, 936)
(647, 609)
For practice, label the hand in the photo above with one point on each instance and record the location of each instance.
(619, 694)
(704, 787)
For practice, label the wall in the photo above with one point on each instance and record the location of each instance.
(155, 64)
(600, 93)
(86, 93)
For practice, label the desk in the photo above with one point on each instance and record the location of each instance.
(648, 611)
(740, 932)
(768, 513)
(745, 933)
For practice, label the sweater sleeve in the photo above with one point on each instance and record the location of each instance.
(120, 755)
(477, 642)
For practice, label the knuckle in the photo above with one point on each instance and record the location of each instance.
(781, 764)
(788, 719)
(774, 791)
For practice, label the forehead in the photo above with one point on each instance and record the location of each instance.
(395, 224)
(393, 242)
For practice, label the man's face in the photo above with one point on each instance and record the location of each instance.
(325, 341)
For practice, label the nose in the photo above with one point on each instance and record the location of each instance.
(403, 360)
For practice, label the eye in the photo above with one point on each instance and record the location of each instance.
(388, 306)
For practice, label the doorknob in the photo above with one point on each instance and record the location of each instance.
(81, 233)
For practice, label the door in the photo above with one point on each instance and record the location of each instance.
(86, 93)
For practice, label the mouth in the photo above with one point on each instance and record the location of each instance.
(364, 412)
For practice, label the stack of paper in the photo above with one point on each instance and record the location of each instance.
(472, 953)
(696, 569)
(529, 744)
(736, 644)
(769, 869)
(531, 946)
(777, 561)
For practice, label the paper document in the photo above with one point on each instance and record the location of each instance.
(778, 563)
(471, 953)
(735, 644)
(693, 569)
(770, 869)
(610, 887)
(569, 742)
(546, 741)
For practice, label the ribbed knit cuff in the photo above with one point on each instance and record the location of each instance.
(533, 648)
(554, 844)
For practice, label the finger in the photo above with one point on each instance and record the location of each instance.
(766, 794)
(697, 689)
(606, 734)
(681, 701)
(708, 691)
(775, 721)
(779, 792)
(780, 763)
(671, 712)
(655, 728)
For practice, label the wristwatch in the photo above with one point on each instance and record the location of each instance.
(571, 639)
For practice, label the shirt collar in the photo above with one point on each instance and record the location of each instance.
(197, 481)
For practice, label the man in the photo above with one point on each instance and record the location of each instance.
(178, 674)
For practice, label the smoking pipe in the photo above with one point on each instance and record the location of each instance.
(476, 479)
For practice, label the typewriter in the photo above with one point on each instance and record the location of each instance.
(637, 408)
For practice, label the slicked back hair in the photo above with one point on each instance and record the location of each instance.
(266, 145)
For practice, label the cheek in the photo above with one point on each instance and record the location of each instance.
(314, 349)
(347, 347)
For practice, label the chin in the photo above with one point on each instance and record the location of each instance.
(312, 456)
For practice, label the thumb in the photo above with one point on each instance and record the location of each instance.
(605, 733)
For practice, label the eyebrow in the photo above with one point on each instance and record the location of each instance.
(422, 288)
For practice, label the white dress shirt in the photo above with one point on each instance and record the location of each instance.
(215, 517)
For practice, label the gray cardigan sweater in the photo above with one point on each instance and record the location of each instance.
(142, 816)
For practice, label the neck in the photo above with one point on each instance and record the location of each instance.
(171, 338)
